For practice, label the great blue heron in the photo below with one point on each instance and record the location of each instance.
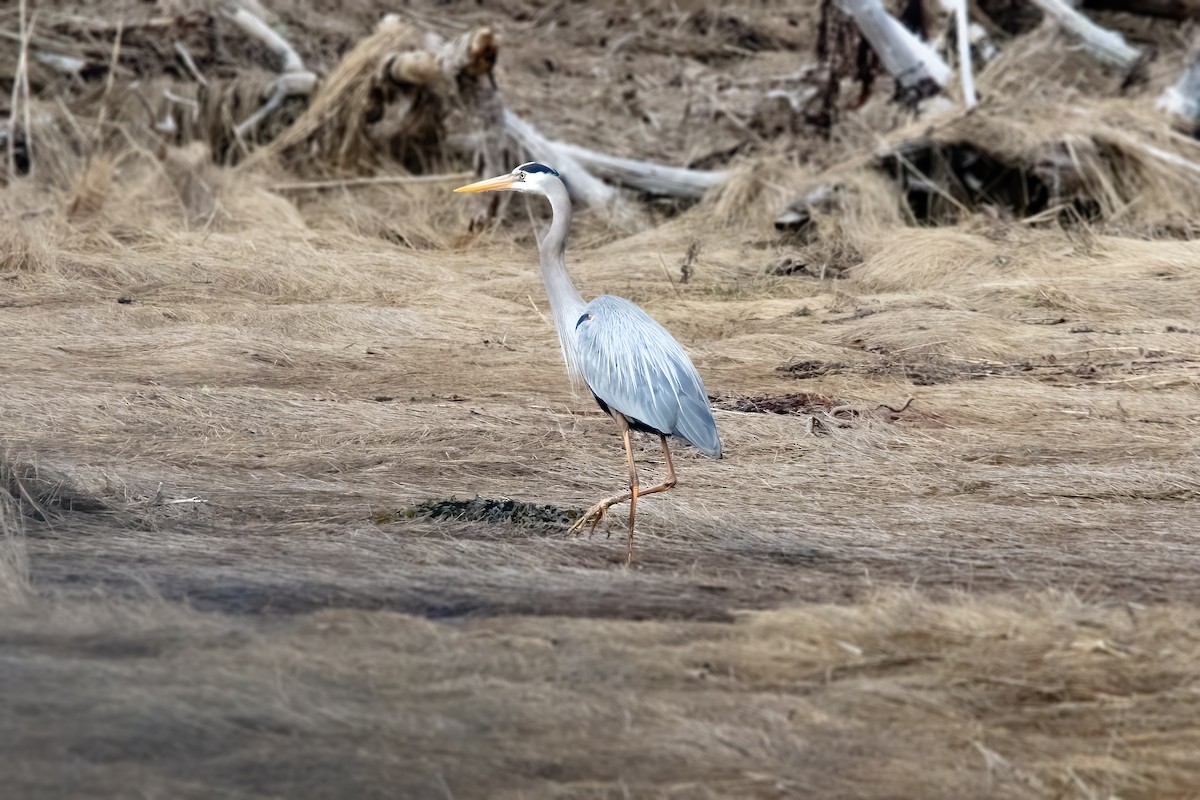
(636, 371)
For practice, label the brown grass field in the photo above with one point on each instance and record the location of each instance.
(220, 405)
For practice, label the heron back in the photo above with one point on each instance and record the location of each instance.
(636, 367)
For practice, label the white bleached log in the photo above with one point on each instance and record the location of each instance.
(1107, 46)
(647, 176)
(253, 26)
(585, 188)
(910, 61)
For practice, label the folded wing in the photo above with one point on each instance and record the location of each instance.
(635, 366)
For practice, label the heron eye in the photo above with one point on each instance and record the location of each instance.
(582, 320)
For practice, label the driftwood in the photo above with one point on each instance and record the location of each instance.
(646, 176)
(585, 188)
(1107, 46)
(913, 63)
(573, 160)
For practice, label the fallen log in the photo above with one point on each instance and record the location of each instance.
(583, 186)
(647, 176)
(913, 63)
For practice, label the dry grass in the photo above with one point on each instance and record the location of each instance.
(1074, 701)
(218, 402)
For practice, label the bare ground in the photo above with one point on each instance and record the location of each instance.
(214, 582)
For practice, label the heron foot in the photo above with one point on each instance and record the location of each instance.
(593, 516)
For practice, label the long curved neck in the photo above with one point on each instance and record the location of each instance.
(566, 304)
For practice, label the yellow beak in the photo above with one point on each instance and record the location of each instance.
(490, 185)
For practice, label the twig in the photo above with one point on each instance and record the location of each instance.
(185, 101)
(899, 410)
(109, 82)
(185, 56)
(385, 180)
(289, 84)
(963, 34)
(20, 91)
(857, 408)
(274, 101)
(929, 182)
(667, 272)
(294, 79)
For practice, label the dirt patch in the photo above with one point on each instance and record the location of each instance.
(799, 403)
(493, 512)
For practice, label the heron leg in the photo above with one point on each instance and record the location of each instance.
(670, 481)
(633, 491)
(596, 513)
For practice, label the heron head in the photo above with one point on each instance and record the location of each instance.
(530, 178)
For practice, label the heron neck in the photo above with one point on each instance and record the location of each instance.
(566, 304)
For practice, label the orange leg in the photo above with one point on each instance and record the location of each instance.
(596, 513)
(670, 482)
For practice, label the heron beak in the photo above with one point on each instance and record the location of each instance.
(490, 185)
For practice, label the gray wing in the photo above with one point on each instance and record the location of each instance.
(631, 363)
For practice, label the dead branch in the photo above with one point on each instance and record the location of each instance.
(185, 55)
(291, 84)
(467, 63)
(383, 98)
(963, 37)
(647, 176)
(584, 187)
(858, 410)
(254, 27)
(1107, 46)
(294, 79)
(913, 63)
